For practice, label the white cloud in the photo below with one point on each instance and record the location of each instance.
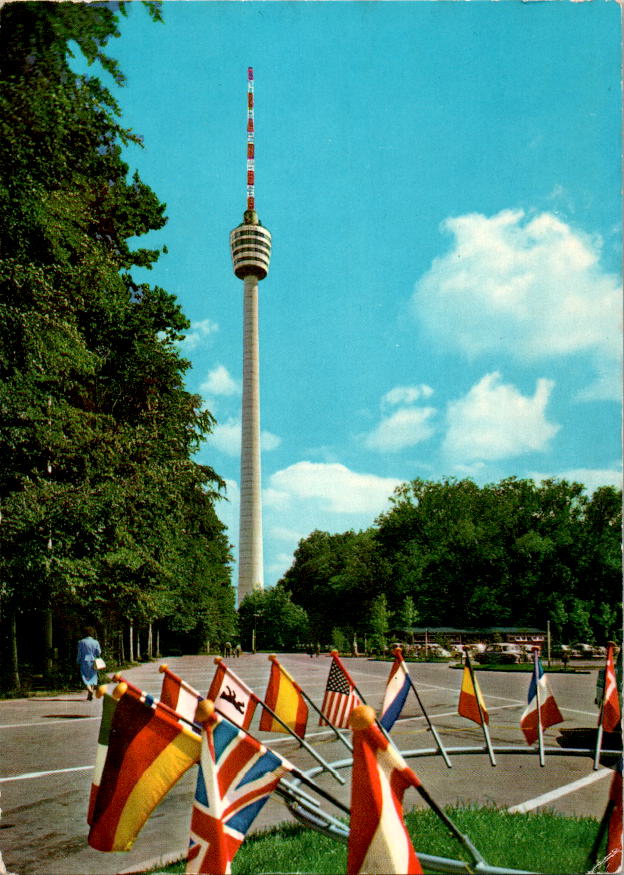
(406, 395)
(198, 332)
(269, 441)
(219, 382)
(532, 288)
(226, 438)
(591, 478)
(403, 428)
(494, 421)
(333, 487)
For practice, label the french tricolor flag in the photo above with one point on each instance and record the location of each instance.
(546, 712)
(397, 689)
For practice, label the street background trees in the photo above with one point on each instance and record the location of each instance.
(451, 553)
(106, 518)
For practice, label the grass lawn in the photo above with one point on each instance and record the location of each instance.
(535, 842)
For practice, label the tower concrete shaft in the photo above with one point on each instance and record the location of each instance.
(250, 556)
(250, 243)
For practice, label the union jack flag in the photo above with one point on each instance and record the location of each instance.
(236, 776)
(340, 697)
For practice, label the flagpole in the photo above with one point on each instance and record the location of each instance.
(484, 726)
(302, 741)
(599, 738)
(540, 729)
(342, 738)
(434, 731)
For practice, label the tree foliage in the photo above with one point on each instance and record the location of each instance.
(271, 617)
(104, 513)
(452, 553)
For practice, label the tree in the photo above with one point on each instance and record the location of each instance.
(100, 497)
(379, 623)
(508, 553)
(271, 617)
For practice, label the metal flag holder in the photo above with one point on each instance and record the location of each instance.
(309, 812)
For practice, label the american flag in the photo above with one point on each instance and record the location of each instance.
(340, 697)
(236, 776)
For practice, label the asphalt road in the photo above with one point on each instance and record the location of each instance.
(48, 750)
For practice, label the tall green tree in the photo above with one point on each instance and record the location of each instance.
(104, 513)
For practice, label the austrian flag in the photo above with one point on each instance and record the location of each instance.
(611, 701)
(378, 838)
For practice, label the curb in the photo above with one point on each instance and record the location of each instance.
(154, 862)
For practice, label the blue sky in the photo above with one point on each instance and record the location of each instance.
(442, 183)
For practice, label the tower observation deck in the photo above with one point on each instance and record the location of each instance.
(250, 245)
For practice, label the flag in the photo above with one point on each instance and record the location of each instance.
(610, 700)
(616, 824)
(148, 750)
(284, 696)
(232, 697)
(108, 709)
(549, 712)
(469, 695)
(340, 697)
(236, 776)
(178, 695)
(397, 688)
(378, 838)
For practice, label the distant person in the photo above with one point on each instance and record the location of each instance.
(228, 649)
(237, 650)
(88, 651)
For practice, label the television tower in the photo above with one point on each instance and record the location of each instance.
(250, 243)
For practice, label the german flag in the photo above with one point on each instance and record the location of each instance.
(284, 697)
(148, 750)
(470, 698)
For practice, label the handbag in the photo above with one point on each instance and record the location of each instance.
(99, 663)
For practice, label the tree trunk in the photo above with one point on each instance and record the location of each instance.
(131, 639)
(122, 649)
(13, 677)
(138, 645)
(49, 633)
(158, 641)
(150, 641)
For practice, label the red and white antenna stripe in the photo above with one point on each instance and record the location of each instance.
(250, 140)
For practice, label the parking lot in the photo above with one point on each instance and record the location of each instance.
(49, 749)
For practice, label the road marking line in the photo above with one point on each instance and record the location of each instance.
(51, 722)
(27, 775)
(538, 801)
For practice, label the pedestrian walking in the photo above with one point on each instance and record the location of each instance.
(89, 651)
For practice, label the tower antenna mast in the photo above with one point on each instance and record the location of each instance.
(251, 145)
(250, 244)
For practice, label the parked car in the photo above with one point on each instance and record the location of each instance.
(584, 651)
(505, 653)
(435, 650)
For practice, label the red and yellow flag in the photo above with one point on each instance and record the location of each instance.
(284, 696)
(469, 696)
